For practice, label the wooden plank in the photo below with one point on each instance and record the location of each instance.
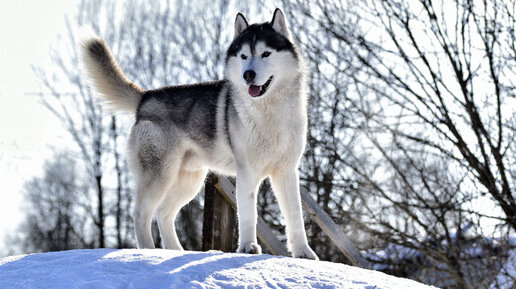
(265, 234)
(224, 221)
(219, 219)
(209, 205)
(332, 230)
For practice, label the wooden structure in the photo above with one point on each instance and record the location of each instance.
(219, 230)
(219, 220)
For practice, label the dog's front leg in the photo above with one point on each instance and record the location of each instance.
(286, 187)
(246, 190)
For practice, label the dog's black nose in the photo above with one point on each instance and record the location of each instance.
(249, 75)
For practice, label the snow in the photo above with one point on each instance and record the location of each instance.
(157, 268)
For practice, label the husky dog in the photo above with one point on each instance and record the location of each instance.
(252, 123)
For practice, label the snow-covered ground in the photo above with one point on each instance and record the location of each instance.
(132, 268)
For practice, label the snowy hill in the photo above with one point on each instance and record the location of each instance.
(132, 268)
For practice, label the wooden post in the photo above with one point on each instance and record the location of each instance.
(207, 223)
(218, 230)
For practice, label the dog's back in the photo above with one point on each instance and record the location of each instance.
(191, 108)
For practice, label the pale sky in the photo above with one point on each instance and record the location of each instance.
(27, 129)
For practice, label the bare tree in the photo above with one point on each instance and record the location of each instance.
(55, 214)
(414, 106)
(444, 79)
(69, 99)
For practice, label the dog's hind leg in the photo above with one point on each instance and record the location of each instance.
(187, 184)
(150, 191)
(154, 160)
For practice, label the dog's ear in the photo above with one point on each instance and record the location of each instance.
(279, 24)
(240, 24)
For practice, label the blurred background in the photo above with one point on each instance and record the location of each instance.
(411, 137)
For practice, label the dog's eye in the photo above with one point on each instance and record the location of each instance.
(243, 56)
(266, 54)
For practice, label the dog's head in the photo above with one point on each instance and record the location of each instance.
(262, 56)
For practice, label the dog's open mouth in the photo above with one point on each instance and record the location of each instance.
(259, 90)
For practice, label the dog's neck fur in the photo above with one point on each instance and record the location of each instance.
(277, 122)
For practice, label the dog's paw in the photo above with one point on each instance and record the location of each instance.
(250, 248)
(305, 253)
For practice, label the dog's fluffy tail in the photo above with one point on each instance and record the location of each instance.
(105, 75)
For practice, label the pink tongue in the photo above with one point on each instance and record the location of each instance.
(254, 90)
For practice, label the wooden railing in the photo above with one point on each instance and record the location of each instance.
(219, 230)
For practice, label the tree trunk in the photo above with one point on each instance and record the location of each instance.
(118, 210)
(100, 211)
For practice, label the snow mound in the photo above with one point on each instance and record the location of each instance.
(132, 268)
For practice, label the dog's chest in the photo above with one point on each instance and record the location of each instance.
(273, 138)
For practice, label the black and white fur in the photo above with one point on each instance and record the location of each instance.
(252, 124)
